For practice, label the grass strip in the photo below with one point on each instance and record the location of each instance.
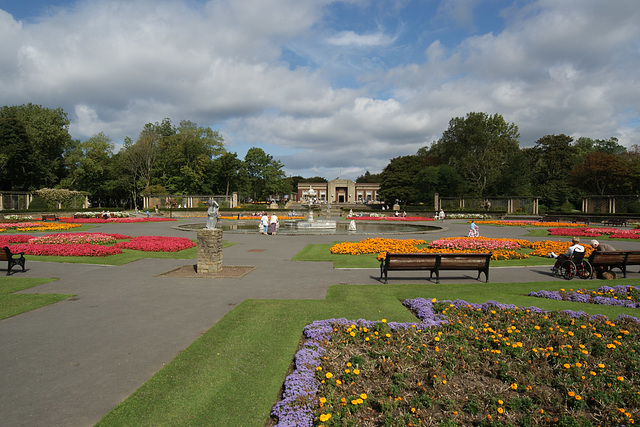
(12, 304)
(233, 374)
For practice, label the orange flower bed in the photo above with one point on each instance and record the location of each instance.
(544, 247)
(381, 246)
(377, 245)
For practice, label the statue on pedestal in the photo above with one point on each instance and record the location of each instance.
(212, 214)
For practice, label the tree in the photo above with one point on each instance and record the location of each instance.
(479, 147)
(185, 156)
(47, 133)
(264, 175)
(398, 178)
(88, 165)
(16, 161)
(226, 173)
(369, 178)
(602, 173)
(555, 159)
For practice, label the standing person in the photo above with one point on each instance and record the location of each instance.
(264, 220)
(442, 215)
(575, 247)
(273, 222)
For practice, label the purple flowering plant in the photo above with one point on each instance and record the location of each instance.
(620, 296)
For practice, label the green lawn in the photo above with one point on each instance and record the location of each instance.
(12, 304)
(232, 375)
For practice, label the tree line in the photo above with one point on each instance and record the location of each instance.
(37, 151)
(479, 155)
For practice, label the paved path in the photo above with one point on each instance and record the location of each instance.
(70, 363)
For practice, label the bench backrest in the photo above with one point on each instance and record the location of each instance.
(464, 260)
(633, 258)
(608, 257)
(411, 260)
(427, 260)
(4, 256)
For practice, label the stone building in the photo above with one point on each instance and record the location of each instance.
(340, 191)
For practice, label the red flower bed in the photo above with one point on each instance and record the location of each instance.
(391, 218)
(84, 249)
(10, 239)
(118, 220)
(157, 244)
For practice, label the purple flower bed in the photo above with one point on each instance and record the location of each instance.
(620, 296)
(301, 387)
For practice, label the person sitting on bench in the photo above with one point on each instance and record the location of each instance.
(575, 247)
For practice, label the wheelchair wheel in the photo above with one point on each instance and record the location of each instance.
(585, 271)
(568, 270)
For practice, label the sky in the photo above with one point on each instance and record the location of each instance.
(329, 88)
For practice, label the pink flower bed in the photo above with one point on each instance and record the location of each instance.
(391, 218)
(626, 234)
(84, 249)
(118, 220)
(78, 238)
(157, 244)
(596, 232)
(20, 224)
(10, 239)
(91, 244)
(474, 244)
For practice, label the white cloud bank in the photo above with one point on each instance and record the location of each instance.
(352, 101)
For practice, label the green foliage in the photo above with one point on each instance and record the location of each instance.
(398, 178)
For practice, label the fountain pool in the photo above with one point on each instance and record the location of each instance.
(289, 227)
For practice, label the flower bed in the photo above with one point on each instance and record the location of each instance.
(621, 296)
(35, 226)
(157, 244)
(116, 220)
(77, 238)
(530, 223)
(71, 249)
(92, 244)
(390, 218)
(466, 364)
(501, 248)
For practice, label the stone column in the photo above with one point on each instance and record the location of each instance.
(209, 251)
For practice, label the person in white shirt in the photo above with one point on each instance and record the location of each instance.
(575, 247)
(264, 220)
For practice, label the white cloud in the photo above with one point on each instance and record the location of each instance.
(557, 67)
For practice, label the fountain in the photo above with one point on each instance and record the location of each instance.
(311, 222)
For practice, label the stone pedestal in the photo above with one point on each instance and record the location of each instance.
(209, 251)
(396, 207)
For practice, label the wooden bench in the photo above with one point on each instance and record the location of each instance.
(435, 262)
(48, 217)
(619, 222)
(12, 259)
(617, 259)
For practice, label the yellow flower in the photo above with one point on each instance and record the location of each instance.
(328, 375)
(325, 417)
(514, 386)
(323, 400)
(500, 410)
(363, 396)
(356, 371)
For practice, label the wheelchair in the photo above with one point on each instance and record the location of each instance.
(576, 266)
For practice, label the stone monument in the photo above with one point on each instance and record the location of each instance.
(210, 242)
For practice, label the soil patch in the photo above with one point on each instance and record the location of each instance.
(226, 272)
